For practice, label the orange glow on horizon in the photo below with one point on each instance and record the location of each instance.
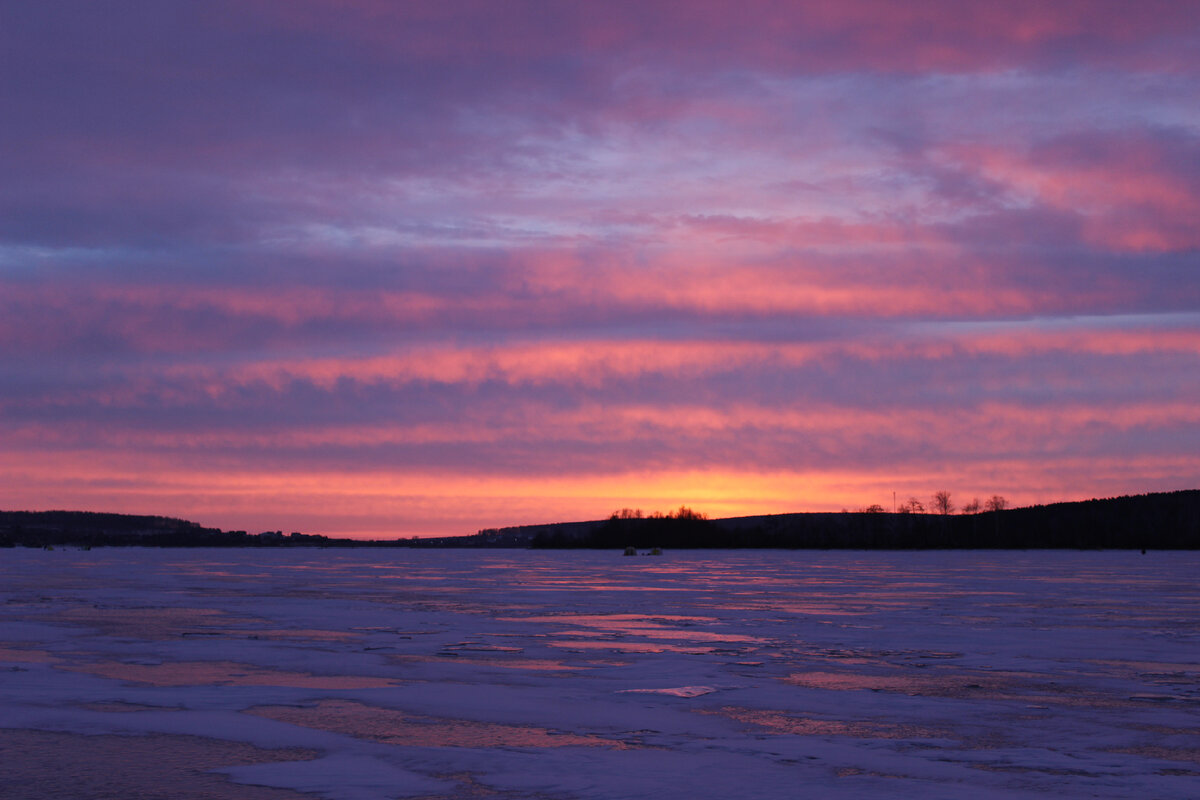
(389, 504)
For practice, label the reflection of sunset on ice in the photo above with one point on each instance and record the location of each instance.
(585, 675)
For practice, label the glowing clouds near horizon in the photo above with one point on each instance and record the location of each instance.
(385, 269)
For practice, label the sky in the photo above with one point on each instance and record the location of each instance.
(389, 269)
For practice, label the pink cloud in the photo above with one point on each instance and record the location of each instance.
(1135, 193)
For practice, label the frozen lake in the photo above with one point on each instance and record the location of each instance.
(562, 675)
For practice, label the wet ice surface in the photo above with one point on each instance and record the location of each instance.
(514, 674)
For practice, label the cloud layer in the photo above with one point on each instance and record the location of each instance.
(389, 268)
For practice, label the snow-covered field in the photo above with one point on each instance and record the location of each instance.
(520, 674)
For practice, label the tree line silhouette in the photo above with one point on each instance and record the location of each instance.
(1163, 521)
(941, 503)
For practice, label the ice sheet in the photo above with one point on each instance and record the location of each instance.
(395, 673)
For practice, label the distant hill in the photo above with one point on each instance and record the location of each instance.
(90, 529)
(1161, 521)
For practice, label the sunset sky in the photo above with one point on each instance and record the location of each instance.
(396, 268)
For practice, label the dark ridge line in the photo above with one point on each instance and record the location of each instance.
(1159, 521)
